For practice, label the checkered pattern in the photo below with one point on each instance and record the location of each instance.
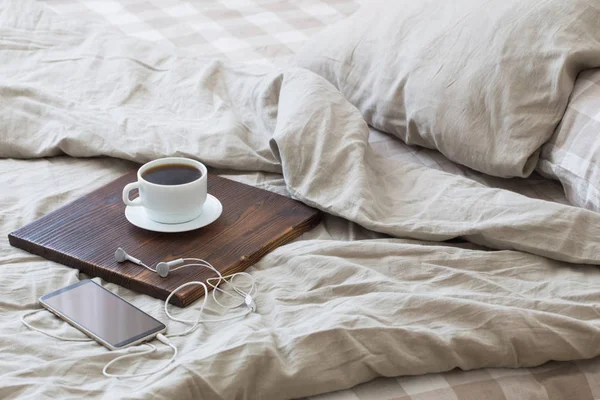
(572, 155)
(270, 32)
(579, 380)
(256, 31)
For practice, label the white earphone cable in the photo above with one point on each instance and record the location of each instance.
(228, 278)
(147, 267)
(151, 349)
(33, 328)
(214, 283)
(220, 278)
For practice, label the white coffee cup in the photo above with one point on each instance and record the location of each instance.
(169, 204)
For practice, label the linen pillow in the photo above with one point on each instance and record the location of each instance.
(484, 82)
(573, 153)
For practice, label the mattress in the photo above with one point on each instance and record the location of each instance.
(270, 32)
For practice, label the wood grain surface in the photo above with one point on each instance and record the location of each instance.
(85, 234)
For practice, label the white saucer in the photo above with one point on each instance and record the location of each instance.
(212, 210)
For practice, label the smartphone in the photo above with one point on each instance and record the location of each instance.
(102, 315)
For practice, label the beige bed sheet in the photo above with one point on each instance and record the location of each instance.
(62, 179)
(65, 179)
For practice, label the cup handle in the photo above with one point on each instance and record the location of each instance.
(128, 188)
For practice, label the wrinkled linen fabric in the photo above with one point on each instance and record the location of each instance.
(341, 305)
(572, 156)
(484, 82)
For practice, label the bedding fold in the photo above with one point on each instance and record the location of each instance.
(397, 306)
(89, 94)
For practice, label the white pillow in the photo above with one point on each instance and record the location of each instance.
(484, 82)
(573, 153)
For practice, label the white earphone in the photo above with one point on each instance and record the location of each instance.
(162, 268)
(121, 255)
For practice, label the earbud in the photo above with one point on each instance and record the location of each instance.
(249, 301)
(121, 255)
(163, 267)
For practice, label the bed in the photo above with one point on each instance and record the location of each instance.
(257, 32)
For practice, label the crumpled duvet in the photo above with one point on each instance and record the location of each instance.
(331, 312)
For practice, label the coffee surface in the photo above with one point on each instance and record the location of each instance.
(172, 174)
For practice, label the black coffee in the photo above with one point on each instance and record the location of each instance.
(172, 174)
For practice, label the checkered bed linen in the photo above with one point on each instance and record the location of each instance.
(256, 31)
(270, 32)
(572, 155)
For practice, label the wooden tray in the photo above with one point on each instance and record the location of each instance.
(85, 234)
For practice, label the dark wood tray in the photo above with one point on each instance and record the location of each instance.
(85, 234)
